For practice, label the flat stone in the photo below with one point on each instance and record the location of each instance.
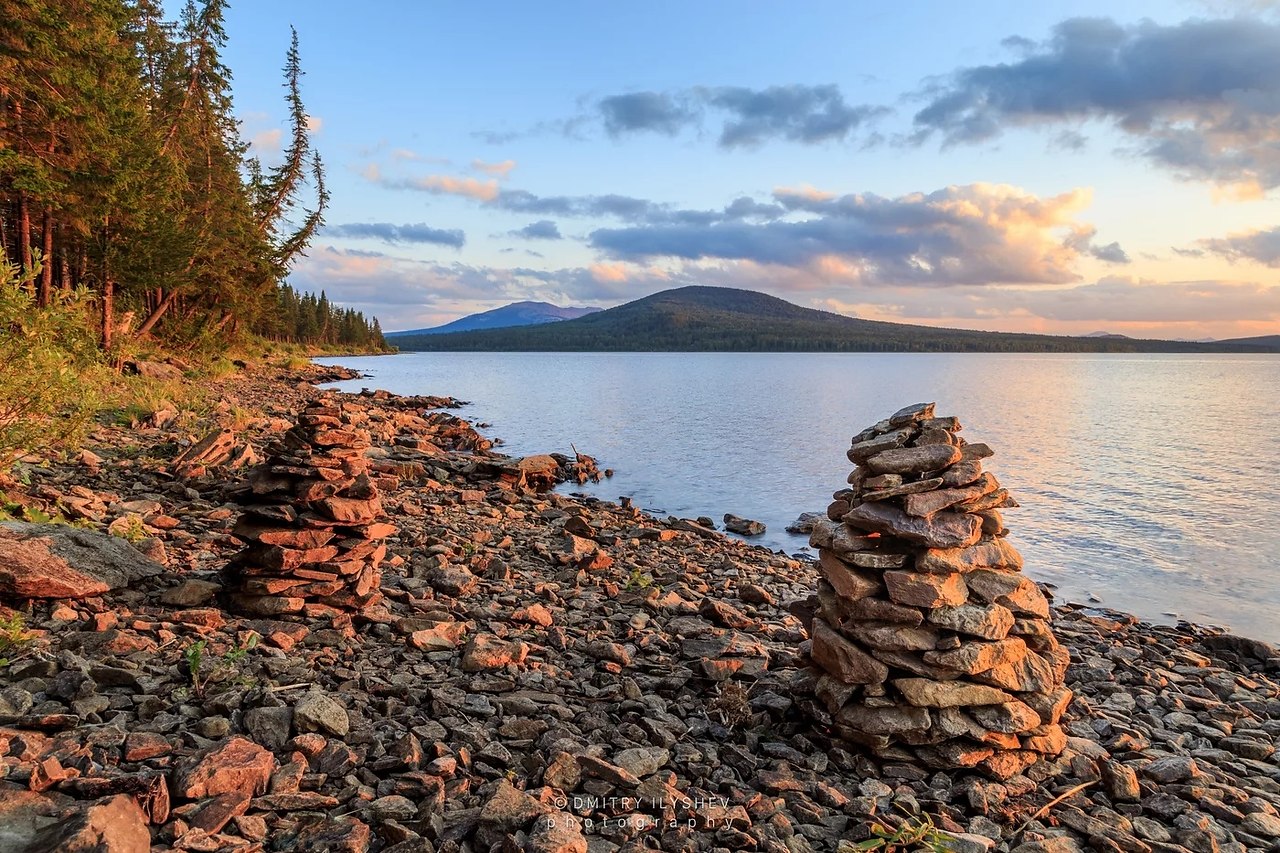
(863, 450)
(190, 593)
(928, 591)
(942, 530)
(914, 413)
(837, 537)
(925, 693)
(879, 610)
(1171, 769)
(894, 637)
(642, 761)
(976, 657)
(848, 582)
(1010, 589)
(1028, 673)
(901, 489)
(914, 460)
(962, 473)
(928, 503)
(988, 621)
(884, 721)
(842, 659)
(991, 554)
(1261, 824)
(1012, 717)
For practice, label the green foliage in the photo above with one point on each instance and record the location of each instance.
(201, 672)
(15, 640)
(47, 357)
(914, 834)
(638, 580)
(133, 530)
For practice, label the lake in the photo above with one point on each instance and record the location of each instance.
(1148, 483)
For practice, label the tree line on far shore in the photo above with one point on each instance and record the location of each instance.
(127, 194)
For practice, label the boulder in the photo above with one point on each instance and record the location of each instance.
(57, 561)
(742, 526)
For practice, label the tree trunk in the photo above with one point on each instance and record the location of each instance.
(64, 262)
(24, 237)
(44, 291)
(159, 312)
(108, 308)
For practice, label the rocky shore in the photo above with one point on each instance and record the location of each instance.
(536, 673)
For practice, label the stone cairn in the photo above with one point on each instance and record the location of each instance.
(928, 643)
(313, 522)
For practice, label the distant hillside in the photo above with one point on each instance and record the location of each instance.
(515, 314)
(1266, 343)
(695, 319)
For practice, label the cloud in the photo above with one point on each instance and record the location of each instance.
(1201, 98)
(543, 229)
(387, 232)
(497, 170)
(267, 141)
(655, 112)
(1262, 246)
(440, 185)
(976, 234)
(314, 124)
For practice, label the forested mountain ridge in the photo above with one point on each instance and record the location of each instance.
(124, 179)
(515, 314)
(691, 319)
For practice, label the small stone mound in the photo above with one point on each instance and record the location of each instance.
(313, 521)
(929, 644)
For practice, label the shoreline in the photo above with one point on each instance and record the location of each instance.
(616, 649)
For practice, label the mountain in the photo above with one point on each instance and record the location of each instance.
(1264, 343)
(1106, 335)
(694, 319)
(515, 314)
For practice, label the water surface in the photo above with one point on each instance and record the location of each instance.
(1148, 483)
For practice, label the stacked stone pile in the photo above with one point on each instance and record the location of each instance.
(313, 522)
(929, 643)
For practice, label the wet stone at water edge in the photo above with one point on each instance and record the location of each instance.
(928, 644)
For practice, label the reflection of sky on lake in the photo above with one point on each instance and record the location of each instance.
(1148, 481)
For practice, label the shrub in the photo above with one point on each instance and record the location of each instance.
(46, 356)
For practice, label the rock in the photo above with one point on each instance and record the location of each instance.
(506, 811)
(14, 702)
(926, 693)
(843, 659)
(928, 591)
(557, 832)
(237, 765)
(742, 526)
(1171, 769)
(112, 825)
(190, 593)
(804, 523)
(1008, 717)
(1261, 824)
(913, 460)
(927, 503)
(990, 621)
(154, 370)
(884, 721)
(943, 530)
(316, 712)
(849, 583)
(643, 760)
(993, 554)
(58, 561)
(1011, 590)
(485, 651)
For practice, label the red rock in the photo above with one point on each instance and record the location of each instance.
(57, 561)
(849, 583)
(139, 746)
(842, 659)
(351, 510)
(237, 765)
(929, 591)
(112, 825)
(214, 813)
(486, 651)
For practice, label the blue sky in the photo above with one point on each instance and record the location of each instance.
(1058, 167)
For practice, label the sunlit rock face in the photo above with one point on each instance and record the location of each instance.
(928, 644)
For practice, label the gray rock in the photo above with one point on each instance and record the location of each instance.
(316, 712)
(269, 726)
(1173, 768)
(914, 460)
(57, 561)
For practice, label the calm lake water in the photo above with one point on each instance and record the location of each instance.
(1148, 483)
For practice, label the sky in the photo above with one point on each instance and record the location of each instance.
(1057, 167)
